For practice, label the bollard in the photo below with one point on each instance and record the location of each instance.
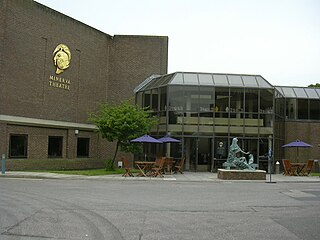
(277, 167)
(3, 164)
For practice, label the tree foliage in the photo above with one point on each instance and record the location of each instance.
(122, 123)
(317, 85)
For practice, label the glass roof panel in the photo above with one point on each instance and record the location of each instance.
(263, 83)
(145, 84)
(249, 81)
(220, 80)
(177, 79)
(235, 80)
(153, 83)
(317, 90)
(279, 92)
(288, 92)
(190, 79)
(300, 93)
(164, 80)
(312, 93)
(205, 79)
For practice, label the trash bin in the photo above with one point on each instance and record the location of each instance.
(277, 167)
(119, 164)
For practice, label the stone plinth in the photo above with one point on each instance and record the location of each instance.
(226, 174)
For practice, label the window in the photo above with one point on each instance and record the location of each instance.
(266, 101)
(251, 101)
(236, 102)
(147, 101)
(314, 109)
(83, 147)
(18, 146)
(221, 101)
(303, 109)
(154, 99)
(55, 147)
(291, 108)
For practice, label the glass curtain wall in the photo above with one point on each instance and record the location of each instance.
(206, 117)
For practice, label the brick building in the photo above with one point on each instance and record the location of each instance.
(53, 71)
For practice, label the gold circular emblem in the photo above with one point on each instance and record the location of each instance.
(61, 58)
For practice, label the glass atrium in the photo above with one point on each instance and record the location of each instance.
(206, 110)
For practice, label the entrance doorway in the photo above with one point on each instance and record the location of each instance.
(199, 156)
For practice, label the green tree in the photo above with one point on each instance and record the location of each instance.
(317, 85)
(122, 123)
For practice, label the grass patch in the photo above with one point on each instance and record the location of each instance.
(92, 172)
(315, 174)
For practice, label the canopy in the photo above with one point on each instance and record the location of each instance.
(168, 139)
(297, 144)
(145, 139)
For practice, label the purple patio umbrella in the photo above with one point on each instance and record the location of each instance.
(168, 139)
(297, 144)
(145, 139)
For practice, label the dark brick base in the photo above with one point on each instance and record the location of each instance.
(225, 174)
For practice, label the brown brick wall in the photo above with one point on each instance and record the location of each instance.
(103, 68)
(132, 60)
(38, 141)
(33, 31)
(304, 131)
(2, 31)
(3, 139)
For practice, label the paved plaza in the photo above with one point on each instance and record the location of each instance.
(195, 206)
(187, 176)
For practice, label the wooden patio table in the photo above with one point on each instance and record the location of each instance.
(299, 167)
(144, 168)
(168, 164)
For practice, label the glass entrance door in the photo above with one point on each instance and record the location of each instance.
(199, 155)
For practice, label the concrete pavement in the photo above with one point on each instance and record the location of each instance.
(187, 176)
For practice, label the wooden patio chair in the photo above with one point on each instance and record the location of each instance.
(288, 170)
(168, 165)
(158, 170)
(127, 168)
(307, 169)
(179, 167)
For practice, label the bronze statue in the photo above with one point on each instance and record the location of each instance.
(234, 160)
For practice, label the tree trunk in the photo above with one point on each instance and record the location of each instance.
(116, 152)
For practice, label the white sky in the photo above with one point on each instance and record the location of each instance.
(278, 39)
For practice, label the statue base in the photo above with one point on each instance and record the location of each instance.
(226, 174)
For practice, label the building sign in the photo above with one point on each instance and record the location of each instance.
(61, 60)
(59, 82)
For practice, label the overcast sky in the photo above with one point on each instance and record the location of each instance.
(278, 39)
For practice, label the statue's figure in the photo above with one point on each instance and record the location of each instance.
(234, 160)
